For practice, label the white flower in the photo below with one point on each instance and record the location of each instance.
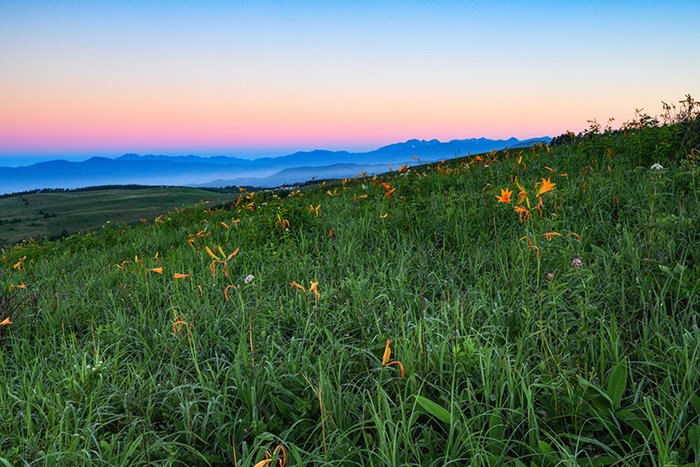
(249, 278)
(656, 166)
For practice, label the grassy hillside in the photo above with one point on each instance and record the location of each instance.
(41, 215)
(559, 329)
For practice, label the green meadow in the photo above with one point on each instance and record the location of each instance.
(542, 307)
(40, 215)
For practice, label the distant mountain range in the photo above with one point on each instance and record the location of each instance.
(224, 171)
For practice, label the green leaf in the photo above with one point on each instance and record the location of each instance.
(617, 383)
(635, 420)
(545, 448)
(695, 400)
(437, 411)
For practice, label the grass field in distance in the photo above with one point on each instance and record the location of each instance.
(51, 214)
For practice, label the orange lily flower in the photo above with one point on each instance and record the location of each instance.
(524, 214)
(20, 263)
(387, 356)
(331, 233)
(281, 461)
(384, 216)
(283, 223)
(531, 245)
(298, 286)
(224, 224)
(545, 186)
(523, 194)
(539, 205)
(211, 253)
(314, 288)
(5, 322)
(178, 323)
(361, 196)
(549, 235)
(505, 196)
(228, 287)
(157, 270)
(314, 209)
(18, 286)
(177, 275)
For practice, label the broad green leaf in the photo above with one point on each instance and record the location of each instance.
(617, 383)
(434, 409)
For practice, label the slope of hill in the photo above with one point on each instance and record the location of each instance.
(530, 307)
(52, 214)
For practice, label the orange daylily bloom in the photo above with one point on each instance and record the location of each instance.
(157, 270)
(361, 196)
(523, 213)
(549, 235)
(387, 356)
(384, 216)
(283, 223)
(314, 209)
(20, 263)
(403, 168)
(331, 233)
(281, 461)
(298, 286)
(549, 168)
(314, 288)
(545, 186)
(211, 253)
(235, 252)
(178, 323)
(228, 287)
(505, 196)
(6, 322)
(224, 224)
(18, 286)
(531, 245)
(539, 205)
(177, 275)
(523, 194)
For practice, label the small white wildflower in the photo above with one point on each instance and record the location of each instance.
(656, 166)
(364, 187)
(249, 278)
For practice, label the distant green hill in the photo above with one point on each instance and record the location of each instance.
(42, 215)
(528, 307)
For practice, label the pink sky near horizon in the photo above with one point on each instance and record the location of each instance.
(111, 78)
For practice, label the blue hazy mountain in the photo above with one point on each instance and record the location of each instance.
(196, 170)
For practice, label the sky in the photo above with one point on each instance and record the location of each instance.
(99, 78)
